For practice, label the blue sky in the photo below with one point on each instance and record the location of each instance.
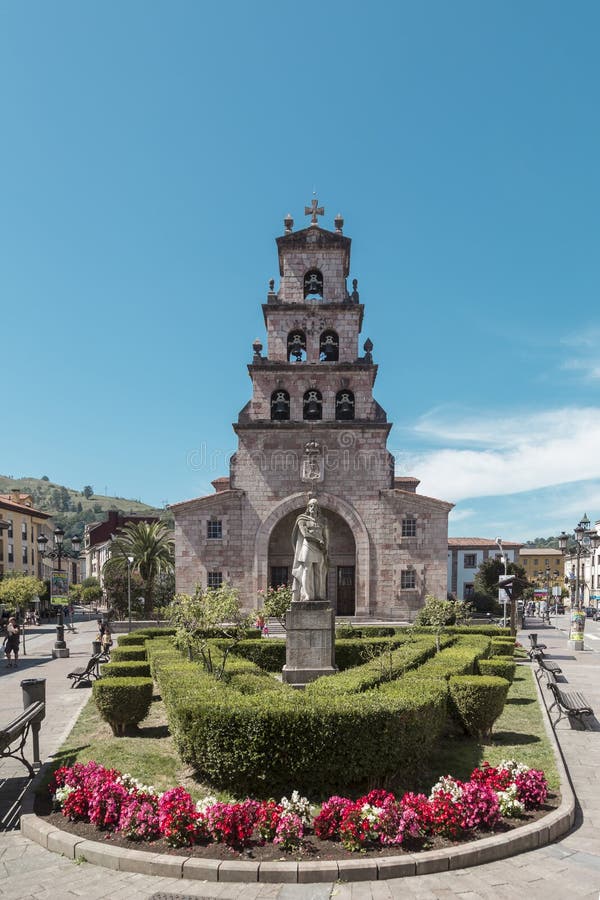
(150, 152)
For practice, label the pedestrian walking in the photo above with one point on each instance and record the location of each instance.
(13, 636)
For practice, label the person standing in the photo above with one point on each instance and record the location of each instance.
(13, 636)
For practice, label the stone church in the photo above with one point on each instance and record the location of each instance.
(313, 428)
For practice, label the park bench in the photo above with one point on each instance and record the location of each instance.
(550, 668)
(18, 730)
(534, 644)
(91, 670)
(571, 703)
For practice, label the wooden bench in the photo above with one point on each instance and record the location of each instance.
(535, 646)
(571, 703)
(18, 730)
(550, 668)
(86, 673)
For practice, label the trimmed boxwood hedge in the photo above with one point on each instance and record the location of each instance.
(123, 702)
(498, 665)
(126, 669)
(264, 742)
(386, 667)
(502, 647)
(488, 630)
(142, 635)
(363, 631)
(454, 660)
(128, 654)
(477, 701)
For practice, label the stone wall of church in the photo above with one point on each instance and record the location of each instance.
(313, 319)
(296, 263)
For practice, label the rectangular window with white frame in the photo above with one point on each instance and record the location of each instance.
(214, 529)
(409, 526)
(214, 579)
(408, 580)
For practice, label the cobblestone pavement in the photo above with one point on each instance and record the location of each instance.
(570, 868)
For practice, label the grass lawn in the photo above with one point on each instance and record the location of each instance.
(518, 734)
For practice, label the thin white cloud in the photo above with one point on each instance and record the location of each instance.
(513, 453)
(585, 343)
(459, 515)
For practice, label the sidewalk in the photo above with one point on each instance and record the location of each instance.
(568, 868)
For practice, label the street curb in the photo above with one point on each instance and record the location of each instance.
(490, 849)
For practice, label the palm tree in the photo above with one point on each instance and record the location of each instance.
(153, 552)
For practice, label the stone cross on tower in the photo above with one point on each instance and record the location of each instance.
(315, 210)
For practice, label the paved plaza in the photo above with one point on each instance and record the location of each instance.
(570, 868)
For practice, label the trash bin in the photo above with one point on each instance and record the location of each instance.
(34, 689)
(96, 648)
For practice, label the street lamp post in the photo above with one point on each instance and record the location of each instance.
(129, 564)
(502, 595)
(58, 552)
(585, 543)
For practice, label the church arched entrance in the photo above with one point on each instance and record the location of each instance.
(341, 577)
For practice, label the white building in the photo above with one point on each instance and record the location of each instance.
(465, 555)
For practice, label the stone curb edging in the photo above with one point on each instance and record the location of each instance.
(520, 840)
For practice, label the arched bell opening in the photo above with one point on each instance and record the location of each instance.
(280, 406)
(329, 346)
(313, 285)
(296, 346)
(344, 405)
(341, 577)
(313, 405)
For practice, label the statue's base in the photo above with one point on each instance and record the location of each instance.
(310, 644)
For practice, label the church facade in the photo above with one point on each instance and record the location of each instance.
(312, 428)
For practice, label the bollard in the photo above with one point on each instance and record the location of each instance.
(34, 689)
(96, 648)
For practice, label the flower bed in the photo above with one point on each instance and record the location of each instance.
(122, 807)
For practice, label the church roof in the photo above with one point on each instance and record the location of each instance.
(314, 238)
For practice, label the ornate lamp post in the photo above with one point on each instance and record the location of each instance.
(585, 543)
(58, 552)
(129, 564)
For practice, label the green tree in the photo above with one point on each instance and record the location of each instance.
(88, 491)
(117, 595)
(197, 617)
(20, 590)
(440, 613)
(151, 547)
(44, 478)
(276, 602)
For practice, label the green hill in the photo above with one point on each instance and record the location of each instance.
(70, 508)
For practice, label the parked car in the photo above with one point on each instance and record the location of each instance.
(589, 611)
(596, 616)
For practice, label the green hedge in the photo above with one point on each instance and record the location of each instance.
(123, 702)
(351, 631)
(488, 630)
(126, 669)
(133, 653)
(497, 665)
(250, 683)
(454, 660)
(142, 635)
(502, 647)
(477, 701)
(267, 742)
(388, 666)
(268, 655)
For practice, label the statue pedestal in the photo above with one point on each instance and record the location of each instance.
(310, 642)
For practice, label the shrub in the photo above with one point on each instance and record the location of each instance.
(262, 742)
(497, 665)
(142, 635)
(268, 655)
(477, 701)
(123, 702)
(126, 669)
(249, 683)
(501, 647)
(133, 653)
(454, 660)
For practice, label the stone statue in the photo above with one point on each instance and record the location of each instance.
(310, 540)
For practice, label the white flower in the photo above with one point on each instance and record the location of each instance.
(515, 768)
(371, 813)
(508, 803)
(205, 803)
(62, 793)
(299, 806)
(448, 785)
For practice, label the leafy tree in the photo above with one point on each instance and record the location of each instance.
(276, 602)
(440, 613)
(152, 549)
(88, 491)
(195, 617)
(116, 587)
(44, 478)
(20, 590)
